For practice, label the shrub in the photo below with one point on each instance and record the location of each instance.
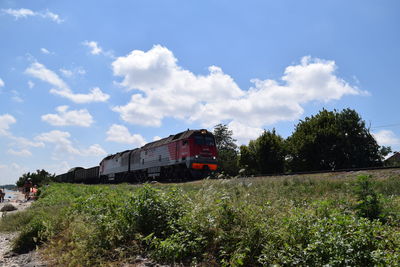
(368, 204)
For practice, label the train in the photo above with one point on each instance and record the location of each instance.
(188, 155)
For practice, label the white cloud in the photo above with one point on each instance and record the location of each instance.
(1, 83)
(20, 153)
(66, 73)
(243, 133)
(19, 13)
(156, 138)
(31, 84)
(386, 138)
(24, 142)
(66, 118)
(72, 72)
(95, 48)
(24, 13)
(94, 150)
(95, 95)
(44, 51)
(120, 134)
(63, 144)
(164, 89)
(5, 121)
(40, 71)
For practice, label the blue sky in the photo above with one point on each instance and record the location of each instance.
(80, 81)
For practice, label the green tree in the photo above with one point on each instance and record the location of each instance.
(264, 155)
(227, 149)
(332, 140)
(39, 178)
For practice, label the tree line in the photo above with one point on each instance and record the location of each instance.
(329, 140)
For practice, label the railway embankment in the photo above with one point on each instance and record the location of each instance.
(349, 218)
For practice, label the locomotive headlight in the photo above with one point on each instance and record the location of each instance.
(196, 156)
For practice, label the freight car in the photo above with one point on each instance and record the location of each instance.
(188, 155)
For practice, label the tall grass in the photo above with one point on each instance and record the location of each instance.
(312, 220)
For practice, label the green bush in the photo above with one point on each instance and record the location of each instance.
(368, 204)
(238, 222)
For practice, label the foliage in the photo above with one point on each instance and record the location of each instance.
(384, 151)
(332, 140)
(39, 178)
(223, 138)
(265, 155)
(368, 205)
(227, 149)
(295, 220)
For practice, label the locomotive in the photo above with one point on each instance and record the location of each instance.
(188, 155)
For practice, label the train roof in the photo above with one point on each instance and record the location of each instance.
(119, 154)
(163, 141)
(174, 137)
(74, 169)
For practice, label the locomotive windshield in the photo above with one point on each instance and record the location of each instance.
(204, 140)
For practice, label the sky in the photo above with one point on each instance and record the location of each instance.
(83, 79)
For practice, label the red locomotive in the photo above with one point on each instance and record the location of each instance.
(184, 156)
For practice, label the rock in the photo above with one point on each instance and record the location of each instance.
(8, 207)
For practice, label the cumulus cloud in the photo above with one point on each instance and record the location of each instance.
(20, 153)
(24, 13)
(386, 138)
(95, 49)
(5, 121)
(65, 117)
(1, 83)
(243, 133)
(40, 71)
(120, 134)
(63, 144)
(164, 89)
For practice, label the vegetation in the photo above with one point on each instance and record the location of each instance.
(330, 140)
(41, 177)
(312, 220)
(265, 155)
(227, 150)
(333, 140)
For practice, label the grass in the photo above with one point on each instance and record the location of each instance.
(294, 220)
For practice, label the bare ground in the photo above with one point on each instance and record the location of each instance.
(7, 257)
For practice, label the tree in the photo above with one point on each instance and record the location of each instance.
(227, 149)
(264, 155)
(332, 140)
(38, 178)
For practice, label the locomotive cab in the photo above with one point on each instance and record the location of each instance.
(203, 152)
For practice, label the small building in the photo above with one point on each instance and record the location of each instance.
(393, 160)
